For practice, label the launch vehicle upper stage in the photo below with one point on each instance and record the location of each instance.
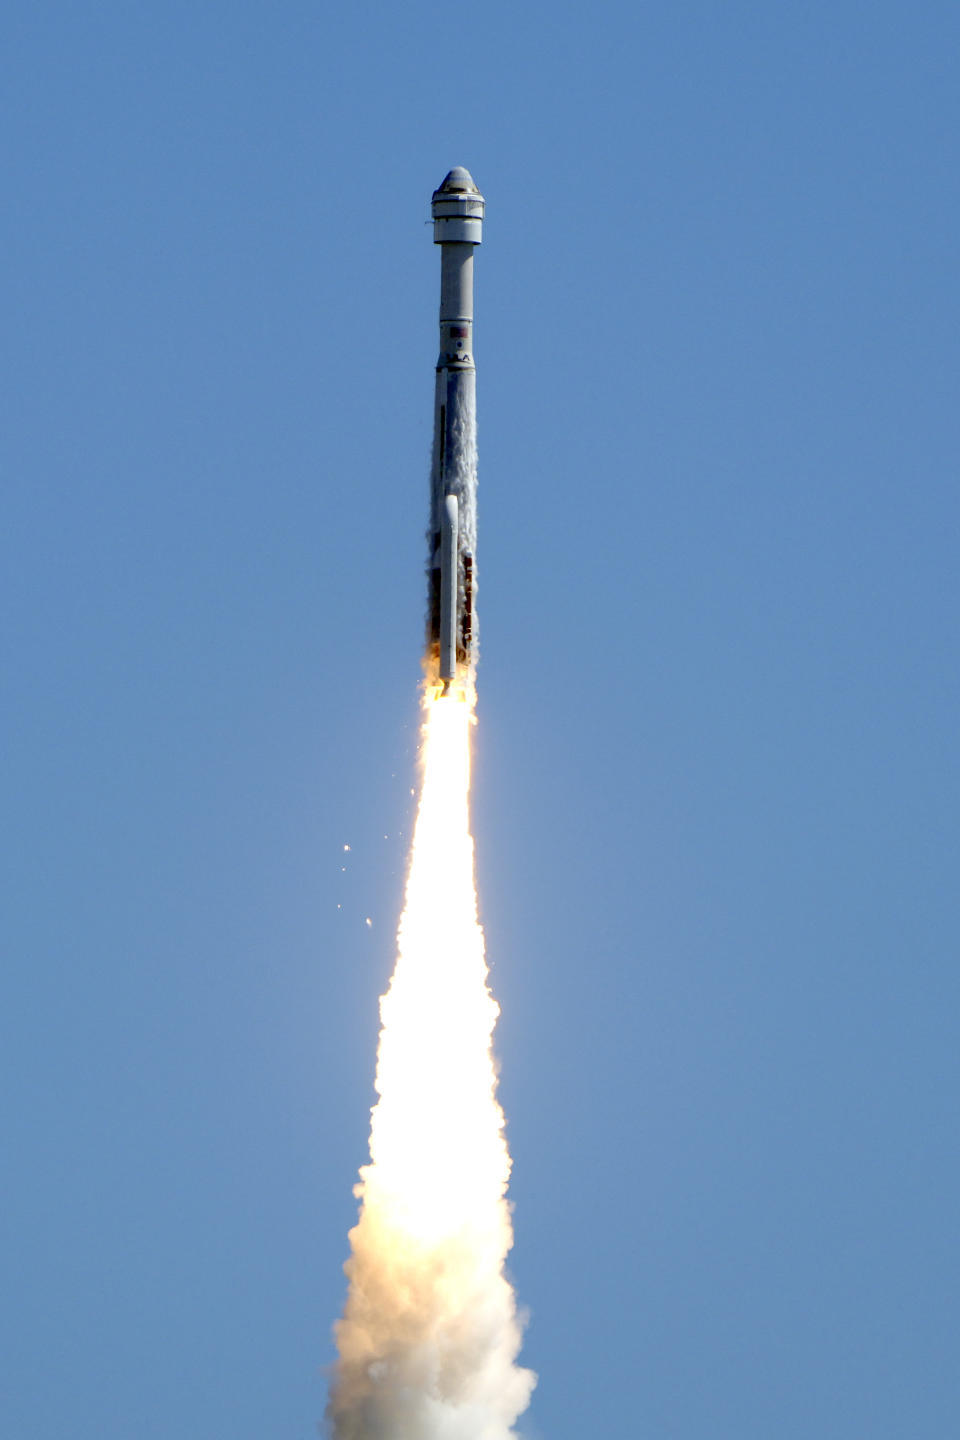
(457, 228)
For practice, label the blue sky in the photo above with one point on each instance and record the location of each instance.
(717, 318)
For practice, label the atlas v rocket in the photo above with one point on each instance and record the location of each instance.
(457, 228)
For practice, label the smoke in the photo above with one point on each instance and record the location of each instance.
(430, 1333)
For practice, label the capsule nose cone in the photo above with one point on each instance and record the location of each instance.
(457, 210)
(458, 180)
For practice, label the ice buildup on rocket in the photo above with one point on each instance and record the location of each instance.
(452, 537)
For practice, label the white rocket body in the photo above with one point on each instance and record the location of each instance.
(457, 228)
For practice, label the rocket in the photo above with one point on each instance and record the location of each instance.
(452, 536)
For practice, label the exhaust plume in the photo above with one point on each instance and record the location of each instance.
(430, 1333)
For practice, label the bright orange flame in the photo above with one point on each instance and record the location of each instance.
(430, 1325)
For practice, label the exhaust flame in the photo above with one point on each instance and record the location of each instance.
(430, 1333)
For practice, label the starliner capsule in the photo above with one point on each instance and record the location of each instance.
(452, 536)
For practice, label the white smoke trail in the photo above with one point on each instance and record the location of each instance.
(430, 1333)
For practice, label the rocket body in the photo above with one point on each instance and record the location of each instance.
(452, 535)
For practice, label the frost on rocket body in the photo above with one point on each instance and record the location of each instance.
(430, 1333)
(462, 478)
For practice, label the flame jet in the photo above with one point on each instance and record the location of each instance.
(457, 228)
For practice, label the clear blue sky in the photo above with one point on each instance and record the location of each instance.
(717, 765)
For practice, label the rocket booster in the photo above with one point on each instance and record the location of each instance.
(452, 536)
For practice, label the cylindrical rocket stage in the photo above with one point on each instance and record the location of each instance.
(458, 226)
